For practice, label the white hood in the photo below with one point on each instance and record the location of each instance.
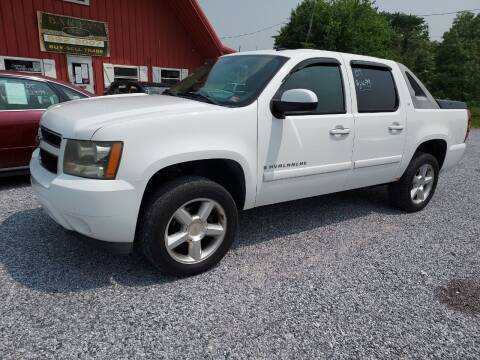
(80, 119)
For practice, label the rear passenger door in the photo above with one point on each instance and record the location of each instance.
(380, 123)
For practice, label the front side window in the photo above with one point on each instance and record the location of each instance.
(22, 94)
(325, 80)
(375, 89)
(233, 81)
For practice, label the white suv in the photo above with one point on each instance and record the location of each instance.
(168, 173)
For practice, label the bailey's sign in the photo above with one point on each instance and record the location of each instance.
(65, 34)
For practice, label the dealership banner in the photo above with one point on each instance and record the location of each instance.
(65, 34)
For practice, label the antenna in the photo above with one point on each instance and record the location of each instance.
(311, 21)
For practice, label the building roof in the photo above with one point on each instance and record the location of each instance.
(196, 22)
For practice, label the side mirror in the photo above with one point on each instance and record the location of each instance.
(295, 100)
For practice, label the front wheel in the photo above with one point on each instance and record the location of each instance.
(416, 187)
(188, 226)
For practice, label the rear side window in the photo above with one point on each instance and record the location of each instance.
(22, 94)
(375, 88)
(72, 94)
(325, 80)
(415, 85)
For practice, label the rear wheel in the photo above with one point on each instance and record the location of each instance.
(188, 226)
(416, 187)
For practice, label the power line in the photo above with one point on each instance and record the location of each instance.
(286, 21)
(447, 13)
(255, 32)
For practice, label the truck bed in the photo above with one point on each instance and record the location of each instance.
(451, 104)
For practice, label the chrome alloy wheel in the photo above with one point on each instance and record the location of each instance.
(195, 231)
(422, 184)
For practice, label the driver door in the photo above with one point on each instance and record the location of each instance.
(307, 154)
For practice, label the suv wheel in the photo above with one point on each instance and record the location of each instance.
(188, 226)
(416, 187)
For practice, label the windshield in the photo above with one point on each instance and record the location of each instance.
(230, 81)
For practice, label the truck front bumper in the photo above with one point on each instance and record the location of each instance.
(104, 210)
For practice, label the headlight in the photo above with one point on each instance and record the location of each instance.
(92, 159)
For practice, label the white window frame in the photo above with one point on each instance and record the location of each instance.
(157, 71)
(109, 73)
(126, 67)
(3, 58)
(86, 2)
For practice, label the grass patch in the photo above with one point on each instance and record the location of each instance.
(476, 116)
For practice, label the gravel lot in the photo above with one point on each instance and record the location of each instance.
(337, 276)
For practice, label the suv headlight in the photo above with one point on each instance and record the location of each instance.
(92, 159)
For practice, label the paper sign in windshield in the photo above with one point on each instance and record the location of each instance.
(16, 93)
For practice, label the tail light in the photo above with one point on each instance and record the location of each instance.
(469, 126)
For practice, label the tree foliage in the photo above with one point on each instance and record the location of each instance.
(341, 25)
(458, 60)
(451, 68)
(411, 44)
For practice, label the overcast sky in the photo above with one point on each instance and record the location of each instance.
(233, 17)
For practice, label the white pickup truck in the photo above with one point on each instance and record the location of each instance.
(167, 174)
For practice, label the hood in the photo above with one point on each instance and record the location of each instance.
(80, 119)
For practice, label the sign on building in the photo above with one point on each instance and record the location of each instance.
(65, 34)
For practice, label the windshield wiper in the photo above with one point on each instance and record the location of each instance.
(196, 96)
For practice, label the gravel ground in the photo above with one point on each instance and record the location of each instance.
(338, 276)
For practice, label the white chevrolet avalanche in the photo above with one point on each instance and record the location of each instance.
(167, 174)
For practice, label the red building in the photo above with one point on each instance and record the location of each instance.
(93, 42)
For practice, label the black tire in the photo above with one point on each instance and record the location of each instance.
(160, 209)
(399, 192)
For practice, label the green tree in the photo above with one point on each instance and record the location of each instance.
(458, 60)
(353, 26)
(411, 44)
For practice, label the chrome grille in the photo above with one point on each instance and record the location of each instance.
(49, 161)
(51, 137)
(50, 143)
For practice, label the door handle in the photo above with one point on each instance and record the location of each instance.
(340, 130)
(396, 127)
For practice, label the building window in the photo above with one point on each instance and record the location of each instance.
(112, 72)
(29, 65)
(169, 76)
(22, 64)
(82, 2)
(121, 72)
